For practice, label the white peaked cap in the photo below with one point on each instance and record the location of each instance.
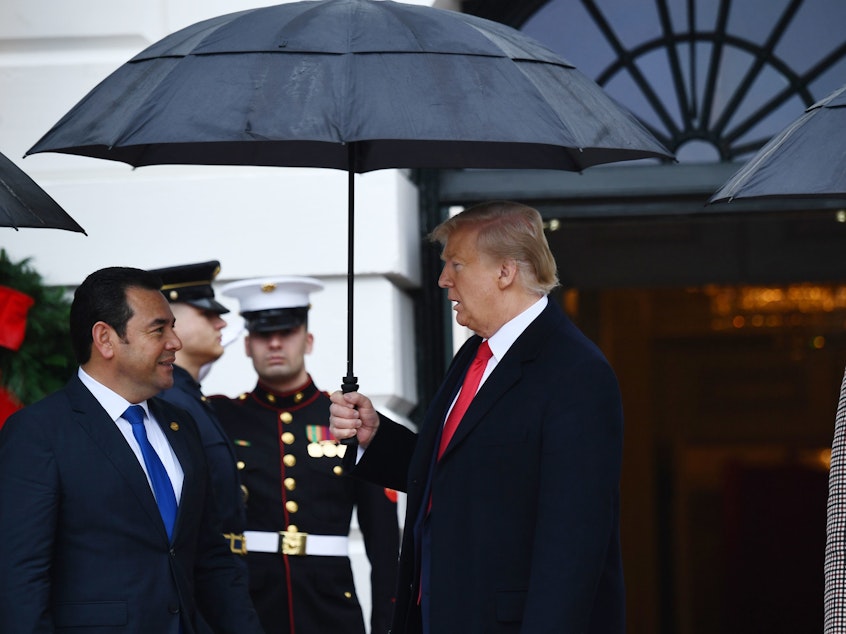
(269, 293)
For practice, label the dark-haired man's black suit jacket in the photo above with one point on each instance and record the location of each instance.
(524, 523)
(83, 546)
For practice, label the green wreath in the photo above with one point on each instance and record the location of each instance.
(45, 360)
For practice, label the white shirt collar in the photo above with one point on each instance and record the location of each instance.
(504, 338)
(114, 404)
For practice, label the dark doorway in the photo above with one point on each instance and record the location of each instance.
(730, 394)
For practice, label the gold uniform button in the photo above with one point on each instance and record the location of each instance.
(286, 417)
(348, 595)
(241, 397)
(289, 460)
(293, 529)
(240, 464)
(290, 484)
(298, 397)
(288, 438)
(271, 398)
(174, 426)
(291, 506)
(338, 470)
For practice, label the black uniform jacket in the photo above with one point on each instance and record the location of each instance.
(292, 471)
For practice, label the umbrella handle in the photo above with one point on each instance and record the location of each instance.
(349, 384)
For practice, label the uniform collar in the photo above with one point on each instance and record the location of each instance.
(304, 395)
(181, 375)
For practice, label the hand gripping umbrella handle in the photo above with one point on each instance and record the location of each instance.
(349, 384)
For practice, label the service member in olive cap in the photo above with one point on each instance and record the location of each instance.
(299, 500)
(198, 324)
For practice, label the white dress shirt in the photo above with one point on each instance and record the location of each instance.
(115, 405)
(502, 340)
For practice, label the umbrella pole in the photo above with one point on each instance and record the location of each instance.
(350, 382)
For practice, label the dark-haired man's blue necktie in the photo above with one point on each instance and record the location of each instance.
(162, 487)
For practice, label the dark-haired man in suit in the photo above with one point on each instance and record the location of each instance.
(512, 521)
(105, 503)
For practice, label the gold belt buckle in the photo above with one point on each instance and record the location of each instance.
(237, 543)
(293, 542)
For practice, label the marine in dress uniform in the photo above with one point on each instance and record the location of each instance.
(191, 285)
(299, 500)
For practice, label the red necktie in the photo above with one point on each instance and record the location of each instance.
(468, 391)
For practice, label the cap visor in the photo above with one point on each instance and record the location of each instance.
(206, 303)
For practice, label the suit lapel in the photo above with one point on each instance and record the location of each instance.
(429, 433)
(508, 372)
(178, 438)
(446, 393)
(93, 419)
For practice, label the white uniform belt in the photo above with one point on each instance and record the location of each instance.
(296, 543)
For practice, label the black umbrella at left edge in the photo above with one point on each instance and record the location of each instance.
(24, 204)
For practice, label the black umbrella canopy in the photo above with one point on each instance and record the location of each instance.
(358, 85)
(24, 204)
(406, 85)
(806, 160)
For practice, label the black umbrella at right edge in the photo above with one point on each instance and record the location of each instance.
(806, 160)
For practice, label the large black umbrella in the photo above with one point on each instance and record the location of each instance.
(24, 204)
(357, 85)
(806, 160)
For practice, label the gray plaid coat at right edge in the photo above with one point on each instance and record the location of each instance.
(835, 546)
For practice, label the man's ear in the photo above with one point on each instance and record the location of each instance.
(507, 273)
(103, 339)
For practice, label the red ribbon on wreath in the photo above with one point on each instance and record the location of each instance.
(14, 306)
